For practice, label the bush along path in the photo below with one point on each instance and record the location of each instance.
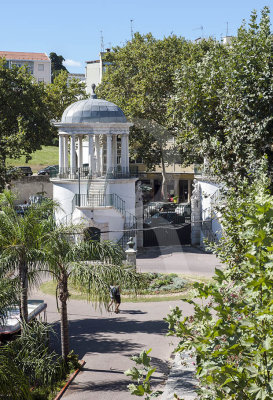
(30, 369)
(231, 334)
(154, 287)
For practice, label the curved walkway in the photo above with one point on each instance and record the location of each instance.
(106, 341)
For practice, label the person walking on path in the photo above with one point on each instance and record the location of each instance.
(115, 297)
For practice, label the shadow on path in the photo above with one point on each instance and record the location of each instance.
(92, 335)
(154, 252)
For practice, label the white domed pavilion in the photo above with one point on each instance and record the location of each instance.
(94, 185)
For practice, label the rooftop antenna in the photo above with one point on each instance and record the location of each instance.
(132, 32)
(101, 42)
(202, 30)
(227, 30)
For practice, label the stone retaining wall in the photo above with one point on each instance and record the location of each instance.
(31, 185)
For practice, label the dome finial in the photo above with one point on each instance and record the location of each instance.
(93, 94)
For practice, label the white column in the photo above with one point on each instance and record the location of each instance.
(109, 154)
(79, 151)
(91, 155)
(65, 153)
(101, 155)
(97, 146)
(123, 153)
(61, 153)
(127, 152)
(73, 155)
(114, 150)
(189, 190)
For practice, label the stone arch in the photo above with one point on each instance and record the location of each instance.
(92, 233)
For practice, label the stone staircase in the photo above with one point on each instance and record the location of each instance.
(96, 186)
(96, 191)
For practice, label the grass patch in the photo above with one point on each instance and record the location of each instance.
(160, 287)
(49, 155)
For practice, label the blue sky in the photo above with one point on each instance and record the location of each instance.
(73, 28)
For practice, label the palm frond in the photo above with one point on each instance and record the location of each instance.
(95, 278)
(14, 384)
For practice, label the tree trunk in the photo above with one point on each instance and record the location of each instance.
(23, 274)
(164, 192)
(63, 296)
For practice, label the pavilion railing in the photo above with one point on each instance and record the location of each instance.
(99, 200)
(122, 172)
(86, 173)
(72, 173)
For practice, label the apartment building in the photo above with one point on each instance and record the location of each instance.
(38, 64)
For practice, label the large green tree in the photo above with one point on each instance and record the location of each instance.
(61, 93)
(25, 119)
(89, 265)
(224, 103)
(140, 79)
(32, 244)
(21, 242)
(56, 65)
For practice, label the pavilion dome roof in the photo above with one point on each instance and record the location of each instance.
(92, 110)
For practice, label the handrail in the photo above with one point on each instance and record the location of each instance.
(99, 200)
(122, 172)
(72, 173)
(130, 229)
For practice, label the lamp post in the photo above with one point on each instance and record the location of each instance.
(79, 180)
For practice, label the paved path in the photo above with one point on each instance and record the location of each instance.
(106, 340)
(185, 260)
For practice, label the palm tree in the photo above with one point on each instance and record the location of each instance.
(21, 242)
(8, 296)
(91, 266)
(33, 244)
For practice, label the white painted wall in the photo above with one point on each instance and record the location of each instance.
(45, 74)
(125, 189)
(63, 193)
(92, 73)
(108, 220)
(207, 190)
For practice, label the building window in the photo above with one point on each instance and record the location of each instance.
(138, 160)
(41, 67)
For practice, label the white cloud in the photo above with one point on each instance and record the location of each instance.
(72, 63)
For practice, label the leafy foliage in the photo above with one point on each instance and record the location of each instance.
(14, 384)
(140, 80)
(29, 369)
(142, 376)
(224, 103)
(60, 94)
(32, 355)
(25, 120)
(56, 65)
(230, 332)
(8, 296)
(22, 240)
(91, 266)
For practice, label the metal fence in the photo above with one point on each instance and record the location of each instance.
(98, 200)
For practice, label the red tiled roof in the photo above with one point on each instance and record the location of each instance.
(17, 55)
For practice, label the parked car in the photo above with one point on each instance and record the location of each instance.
(16, 172)
(183, 209)
(50, 170)
(165, 218)
(21, 209)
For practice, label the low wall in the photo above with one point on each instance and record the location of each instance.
(31, 185)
